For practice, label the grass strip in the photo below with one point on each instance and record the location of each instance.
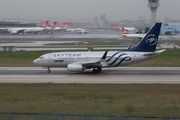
(102, 99)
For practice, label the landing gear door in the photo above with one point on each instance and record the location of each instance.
(50, 58)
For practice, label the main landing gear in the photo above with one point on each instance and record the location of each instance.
(96, 70)
(48, 71)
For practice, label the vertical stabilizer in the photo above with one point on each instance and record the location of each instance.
(124, 31)
(53, 24)
(149, 41)
(45, 24)
(83, 27)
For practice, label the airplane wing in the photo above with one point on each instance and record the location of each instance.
(95, 63)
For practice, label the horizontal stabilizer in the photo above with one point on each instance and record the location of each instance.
(160, 51)
(154, 53)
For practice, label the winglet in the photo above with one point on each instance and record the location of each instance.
(103, 57)
(129, 47)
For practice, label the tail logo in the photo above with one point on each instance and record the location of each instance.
(151, 39)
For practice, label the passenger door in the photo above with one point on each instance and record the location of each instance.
(50, 58)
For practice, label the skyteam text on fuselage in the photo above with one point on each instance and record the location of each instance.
(80, 61)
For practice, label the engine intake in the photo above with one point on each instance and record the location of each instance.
(75, 67)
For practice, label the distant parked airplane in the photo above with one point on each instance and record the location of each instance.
(64, 26)
(126, 34)
(133, 29)
(79, 30)
(50, 27)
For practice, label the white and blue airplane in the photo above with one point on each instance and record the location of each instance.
(80, 61)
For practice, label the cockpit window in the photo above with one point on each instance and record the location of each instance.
(41, 57)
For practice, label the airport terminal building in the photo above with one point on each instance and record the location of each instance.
(172, 28)
(16, 24)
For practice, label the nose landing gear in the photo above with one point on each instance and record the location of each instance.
(48, 71)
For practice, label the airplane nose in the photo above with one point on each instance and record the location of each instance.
(35, 61)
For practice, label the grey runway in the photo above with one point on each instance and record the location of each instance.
(125, 75)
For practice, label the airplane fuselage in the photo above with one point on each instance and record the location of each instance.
(134, 35)
(113, 59)
(24, 29)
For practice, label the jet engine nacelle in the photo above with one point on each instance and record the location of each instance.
(75, 67)
(14, 32)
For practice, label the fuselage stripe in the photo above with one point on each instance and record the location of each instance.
(124, 59)
(111, 57)
(117, 59)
